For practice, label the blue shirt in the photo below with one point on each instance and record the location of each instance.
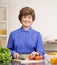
(25, 42)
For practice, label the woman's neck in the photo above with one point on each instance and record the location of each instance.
(26, 28)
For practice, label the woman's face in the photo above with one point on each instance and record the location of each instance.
(26, 20)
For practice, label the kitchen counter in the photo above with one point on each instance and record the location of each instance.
(19, 63)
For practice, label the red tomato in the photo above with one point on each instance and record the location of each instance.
(30, 57)
(38, 57)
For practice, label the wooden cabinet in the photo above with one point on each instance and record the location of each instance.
(3, 25)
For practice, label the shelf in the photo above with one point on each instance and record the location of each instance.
(3, 13)
(50, 51)
(50, 42)
(3, 35)
(3, 21)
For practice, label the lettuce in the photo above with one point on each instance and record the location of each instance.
(5, 55)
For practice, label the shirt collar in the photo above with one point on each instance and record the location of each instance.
(29, 30)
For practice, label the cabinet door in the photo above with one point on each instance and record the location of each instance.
(3, 25)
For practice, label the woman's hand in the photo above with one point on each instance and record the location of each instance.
(33, 54)
(16, 55)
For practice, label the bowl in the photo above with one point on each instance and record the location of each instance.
(50, 55)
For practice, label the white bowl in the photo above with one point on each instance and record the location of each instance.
(48, 57)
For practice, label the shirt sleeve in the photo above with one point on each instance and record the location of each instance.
(10, 44)
(40, 46)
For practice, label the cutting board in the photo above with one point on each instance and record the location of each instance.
(28, 61)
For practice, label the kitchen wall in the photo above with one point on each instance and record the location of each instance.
(46, 16)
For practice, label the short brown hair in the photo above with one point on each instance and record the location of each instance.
(26, 11)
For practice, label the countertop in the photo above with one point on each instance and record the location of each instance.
(19, 63)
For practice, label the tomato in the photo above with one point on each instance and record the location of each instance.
(30, 57)
(38, 57)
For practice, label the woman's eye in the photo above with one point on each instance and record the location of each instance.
(24, 17)
(29, 17)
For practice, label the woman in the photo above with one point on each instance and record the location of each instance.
(25, 40)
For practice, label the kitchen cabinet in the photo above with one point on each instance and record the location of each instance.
(3, 25)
